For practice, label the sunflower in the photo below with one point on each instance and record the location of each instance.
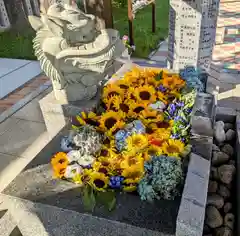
(162, 133)
(179, 83)
(173, 94)
(149, 115)
(173, 147)
(122, 105)
(154, 150)
(146, 156)
(99, 181)
(170, 82)
(162, 97)
(109, 103)
(107, 152)
(83, 178)
(59, 164)
(133, 174)
(136, 143)
(152, 72)
(118, 126)
(89, 118)
(162, 125)
(109, 120)
(131, 94)
(146, 94)
(152, 81)
(131, 160)
(136, 108)
(123, 84)
(110, 90)
(101, 168)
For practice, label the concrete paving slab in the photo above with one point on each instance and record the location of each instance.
(18, 77)
(9, 65)
(8, 125)
(20, 137)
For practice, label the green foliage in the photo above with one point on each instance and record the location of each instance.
(120, 3)
(17, 45)
(108, 199)
(90, 198)
(144, 40)
(159, 76)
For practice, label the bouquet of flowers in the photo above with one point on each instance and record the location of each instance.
(136, 144)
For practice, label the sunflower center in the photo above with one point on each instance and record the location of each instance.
(61, 161)
(123, 86)
(99, 183)
(103, 170)
(172, 149)
(110, 122)
(104, 152)
(131, 161)
(62, 171)
(138, 109)
(92, 122)
(113, 93)
(151, 117)
(124, 107)
(144, 95)
(163, 124)
(149, 130)
(106, 141)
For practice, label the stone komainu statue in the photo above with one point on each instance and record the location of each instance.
(72, 52)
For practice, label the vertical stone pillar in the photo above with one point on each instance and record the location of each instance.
(192, 29)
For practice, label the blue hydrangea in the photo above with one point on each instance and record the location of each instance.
(193, 76)
(163, 177)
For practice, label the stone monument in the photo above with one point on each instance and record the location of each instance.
(72, 53)
(192, 29)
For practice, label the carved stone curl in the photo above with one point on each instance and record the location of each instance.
(72, 53)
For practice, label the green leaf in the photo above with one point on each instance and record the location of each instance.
(108, 199)
(159, 76)
(88, 197)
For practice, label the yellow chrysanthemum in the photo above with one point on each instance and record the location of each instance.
(90, 118)
(136, 143)
(131, 160)
(110, 90)
(136, 109)
(133, 174)
(122, 105)
(99, 181)
(162, 97)
(149, 116)
(59, 164)
(173, 147)
(146, 94)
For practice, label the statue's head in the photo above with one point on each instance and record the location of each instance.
(69, 22)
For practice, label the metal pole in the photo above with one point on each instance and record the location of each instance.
(130, 22)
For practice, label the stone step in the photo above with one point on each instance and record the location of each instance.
(43, 220)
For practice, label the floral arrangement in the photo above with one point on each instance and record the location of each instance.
(134, 142)
(126, 42)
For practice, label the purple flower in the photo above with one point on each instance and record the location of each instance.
(183, 140)
(177, 118)
(189, 110)
(175, 136)
(172, 109)
(162, 88)
(180, 104)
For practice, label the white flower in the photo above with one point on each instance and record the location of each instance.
(73, 155)
(65, 144)
(159, 106)
(73, 170)
(86, 160)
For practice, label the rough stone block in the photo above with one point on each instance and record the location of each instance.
(202, 145)
(191, 213)
(201, 125)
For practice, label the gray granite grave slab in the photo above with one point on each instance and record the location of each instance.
(191, 213)
(36, 184)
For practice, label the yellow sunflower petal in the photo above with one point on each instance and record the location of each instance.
(146, 94)
(99, 181)
(173, 147)
(136, 143)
